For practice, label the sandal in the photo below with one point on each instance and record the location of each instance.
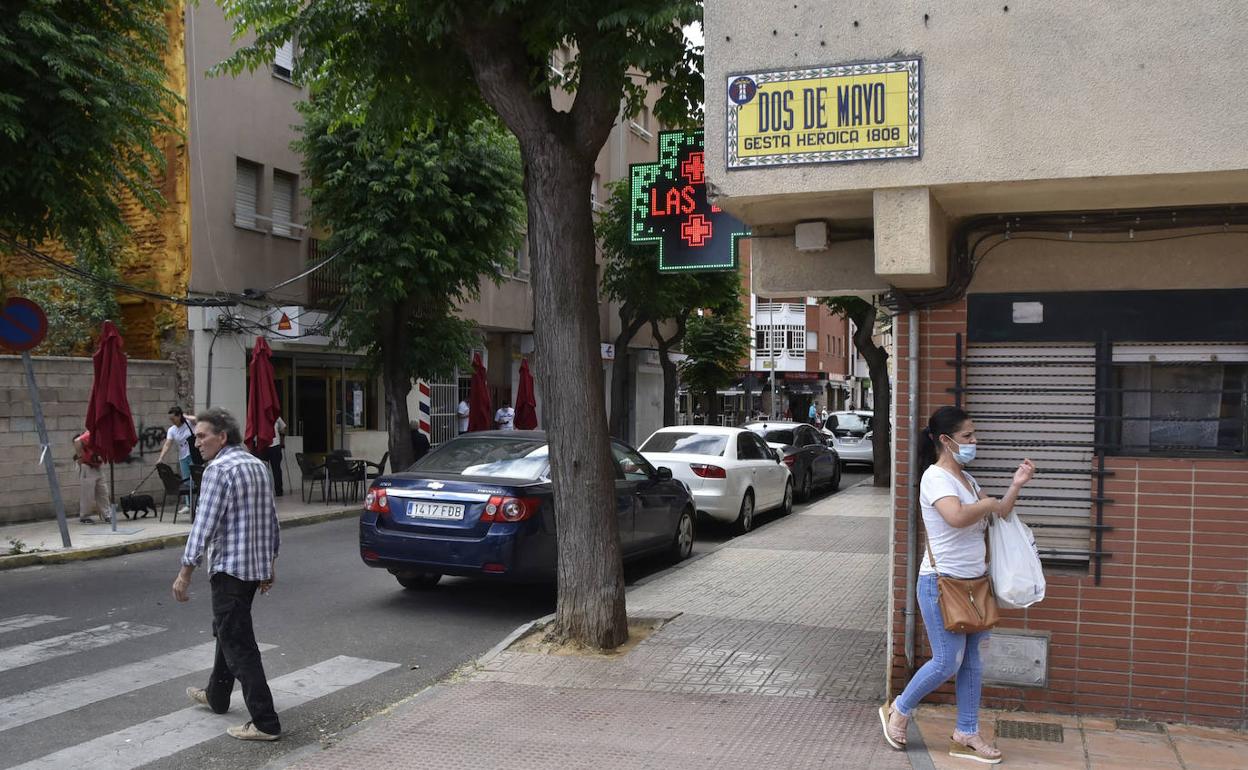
(972, 746)
(894, 724)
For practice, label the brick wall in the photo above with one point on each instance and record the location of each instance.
(64, 387)
(1165, 634)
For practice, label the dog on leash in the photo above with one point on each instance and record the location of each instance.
(131, 505)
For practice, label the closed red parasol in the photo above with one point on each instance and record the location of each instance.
(526, 404)
(108, 411)
(262, 404)
(480, 413)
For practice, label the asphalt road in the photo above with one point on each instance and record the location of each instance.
(107, 633)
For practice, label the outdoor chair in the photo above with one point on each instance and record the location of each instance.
(340, 474)
(310, 475)
(173, 486)
(380, 468)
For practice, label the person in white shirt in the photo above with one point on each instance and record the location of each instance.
(181, 433)
(275, 452)
(505, 417)
(955, 515)
(461, 417)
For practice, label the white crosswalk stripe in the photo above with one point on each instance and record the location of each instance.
(18, 622)
(92, 638)
(71, 694)
(171, 733)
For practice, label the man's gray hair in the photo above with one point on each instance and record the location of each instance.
(222, 422)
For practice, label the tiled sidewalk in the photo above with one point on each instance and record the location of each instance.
(772, 657)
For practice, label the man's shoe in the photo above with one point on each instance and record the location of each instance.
(184, 510)
(199, 695)
(973, 746)
(249, 732)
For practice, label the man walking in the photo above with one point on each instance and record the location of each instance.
(237, 525)
(505, 417)
(277, 448)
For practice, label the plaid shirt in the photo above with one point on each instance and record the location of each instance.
(237, 518)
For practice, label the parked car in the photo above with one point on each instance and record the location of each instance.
(481, 505)
(807, 452)
(731, 471)
(853, 436)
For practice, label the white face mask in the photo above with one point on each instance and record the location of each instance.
(964, 454)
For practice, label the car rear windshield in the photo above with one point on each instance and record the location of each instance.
(709, 444)
(777, 436)
(487, 456)
(850, 422)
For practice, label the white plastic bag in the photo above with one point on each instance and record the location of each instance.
(1014, 566)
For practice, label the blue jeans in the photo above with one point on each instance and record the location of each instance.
(184, 464)
(951, 654)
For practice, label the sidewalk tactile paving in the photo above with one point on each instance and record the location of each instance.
(477, 725)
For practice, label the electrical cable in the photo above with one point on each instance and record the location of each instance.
(972, 233)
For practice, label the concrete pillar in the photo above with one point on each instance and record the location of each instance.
(911, 238)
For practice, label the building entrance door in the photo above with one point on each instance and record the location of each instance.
(312, 394)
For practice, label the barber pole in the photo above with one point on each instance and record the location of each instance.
(423, 403)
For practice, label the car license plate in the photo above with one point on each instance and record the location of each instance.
(850, 441)
(429, 510)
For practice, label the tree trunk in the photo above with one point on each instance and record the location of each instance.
(620, 413)
(671, 375)
(877, 364)
(398, 383)
(590, 607)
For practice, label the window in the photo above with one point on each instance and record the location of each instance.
(641, 123)
(284, 60)
(812, 340)
(285, 196)
(1178, 408)
(593, 192)
(521, 256)
(632, 465)
(246, 192)
(748, 448)
(681, 442)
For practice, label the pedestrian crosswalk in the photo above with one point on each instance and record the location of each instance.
(133, 745)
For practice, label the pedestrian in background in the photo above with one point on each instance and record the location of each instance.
(505, 417)
(180, 434)
(955, 517)
(812, 413)
(461, 417)
(93, 492)
(237, 525)
(275, 453)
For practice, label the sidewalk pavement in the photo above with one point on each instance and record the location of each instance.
(772, 655)
(39, 542)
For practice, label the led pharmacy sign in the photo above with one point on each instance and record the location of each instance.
(670, 208)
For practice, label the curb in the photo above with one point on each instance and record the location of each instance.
(150, 544)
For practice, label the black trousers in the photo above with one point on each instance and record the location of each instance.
(274, 455)
(238, 657)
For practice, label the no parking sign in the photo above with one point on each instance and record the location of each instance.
(23, 325)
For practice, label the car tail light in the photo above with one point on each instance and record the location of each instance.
(369, 556)
(377, 501)
(790, 459)
(494, 568)
(707, 471)
(502, 508)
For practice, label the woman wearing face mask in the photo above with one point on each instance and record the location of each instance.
(955, 515)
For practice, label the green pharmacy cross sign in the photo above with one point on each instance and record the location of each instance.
(669, 207)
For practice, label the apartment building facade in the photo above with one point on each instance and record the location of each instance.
(1064, 253)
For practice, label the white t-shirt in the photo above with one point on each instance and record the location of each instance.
(958, 552)
(279, 425)
(505, 417)
(462, 412)
(181, 435)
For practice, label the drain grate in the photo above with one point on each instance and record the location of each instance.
(1140, 725)
(1029, 731)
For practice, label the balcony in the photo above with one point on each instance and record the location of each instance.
(326, 286)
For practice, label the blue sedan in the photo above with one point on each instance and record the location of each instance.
(481, 505)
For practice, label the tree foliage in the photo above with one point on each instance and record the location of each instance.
(76, 308)
(83, 107)
(418, 218)
(715, 343)
(648, 297)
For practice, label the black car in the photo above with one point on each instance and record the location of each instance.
(482, 505)
(808, 453)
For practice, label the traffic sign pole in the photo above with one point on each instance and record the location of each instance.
(46, 454)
